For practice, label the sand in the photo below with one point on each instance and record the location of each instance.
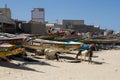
(105, 66)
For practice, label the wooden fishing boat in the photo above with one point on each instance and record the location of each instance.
(7, 49)
(13, 41)
(51, 36)
(56, 45)
(100, 41)
(68, 38)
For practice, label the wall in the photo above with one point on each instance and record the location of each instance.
(38, 28)
(34, 28)
(84, 28)
(73, 22)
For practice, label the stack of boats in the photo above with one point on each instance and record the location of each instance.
(68, 42)
(10, 44)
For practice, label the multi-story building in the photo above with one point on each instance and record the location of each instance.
(38, 15)
(6, 12)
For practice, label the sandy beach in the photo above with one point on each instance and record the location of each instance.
(105, 66)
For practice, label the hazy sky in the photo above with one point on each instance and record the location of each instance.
(105, 13)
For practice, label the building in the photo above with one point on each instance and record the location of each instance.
(38, 15)
(79, 26)
(6, 12)
(7, 24)
(19, 23)
(73, 22)
(85, 28)
(33, 28)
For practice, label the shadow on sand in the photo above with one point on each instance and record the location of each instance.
(67, 57)
(79, 61)
(98, 63)
(23, 62)
(29, 60)
(17, 66)
(72, 60)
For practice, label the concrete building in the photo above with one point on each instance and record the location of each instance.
(36, 25)
(7, 24)
(34, 28)
(73, 22)
(79, 26)
(85, 28)
(6, 12)
(38, 15)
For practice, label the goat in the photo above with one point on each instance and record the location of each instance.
(51, 54)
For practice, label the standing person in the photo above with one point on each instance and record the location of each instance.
(90, 52)
(82, 48)
(89, 48)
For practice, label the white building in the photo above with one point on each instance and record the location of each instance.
(38, 15)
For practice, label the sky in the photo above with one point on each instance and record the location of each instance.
(105, 13)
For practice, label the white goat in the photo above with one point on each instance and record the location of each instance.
(51, 54)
